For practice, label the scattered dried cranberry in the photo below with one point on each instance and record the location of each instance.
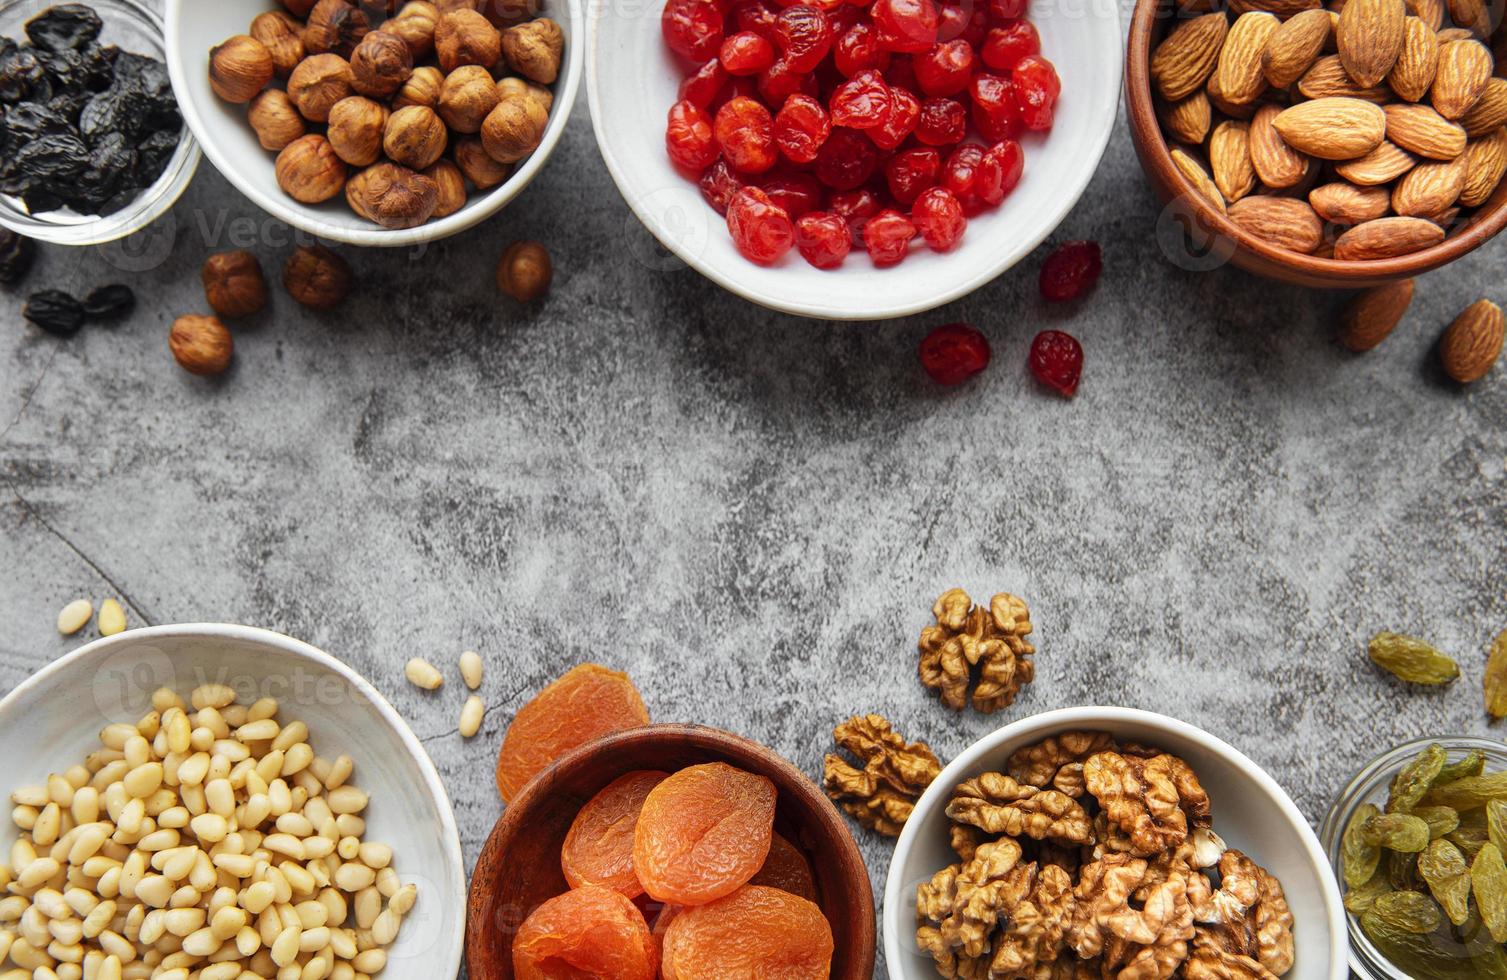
(692, 28)
(719, 185)
(1006, 46)
(862, 102)
(801, 127)
(688, 137)
(887, 237)
(745, 132)
(1036, 90)
(823, 239)
(954, 353)
(761, 229)
(1071, 271)
(746, 53)
(1057, 361)
(912, 172)
(939, 218)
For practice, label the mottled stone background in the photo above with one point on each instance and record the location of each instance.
(753, 513)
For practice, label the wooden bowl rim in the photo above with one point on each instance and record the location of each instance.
(831, 825)
(1146, 131)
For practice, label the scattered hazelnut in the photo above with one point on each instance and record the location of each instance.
(392, 196)
(478, 166)
(514, 87)
(525, 271)
(415, 137)
(468, 95)
(318, 83)
(233, 284)
(422, 88)
(451, 186)
(275, 119)
(380, 64)
(316, 277)
(534, 49)
(356, 127)
(283, 38)
(240, 68)
(465, 37)
(335, 25)
(309, 171)
(201, 344)
(514, 129)
(415, 25)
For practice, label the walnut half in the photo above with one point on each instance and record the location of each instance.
(984, 648)
(895, 773)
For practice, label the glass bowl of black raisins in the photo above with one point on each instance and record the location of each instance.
(92, 145)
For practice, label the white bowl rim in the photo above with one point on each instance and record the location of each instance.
(291, 212)
(1105, 119)
(1063, 719)
(449, 832)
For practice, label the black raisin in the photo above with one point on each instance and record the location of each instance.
(54, 158)
(138, 73)
(20, 74)
(55, 312)
(109, 302)
(64, 27)
(16, 255)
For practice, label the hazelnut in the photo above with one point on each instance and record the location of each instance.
(282, 36)
(478, 166)
(201, 344)
(525, 271)
(534, 49)
(233, 283)
(299, 8)
(514, 129)
(240, 68)
(356, 127)
(468, 95)
(514, 87)
(335, 25)
(415, 137)
(422, 88)
(451, 186)
(318, 83)
(380, 64)
(415, 25)
(309, 171)
(316, 277)
(392, 196)
(464, 37)
(275, 119)
(506, 13)
(445, 6)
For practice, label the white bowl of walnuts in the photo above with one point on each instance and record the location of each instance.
(377, 122)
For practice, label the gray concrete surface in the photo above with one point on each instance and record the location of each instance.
(753, 513)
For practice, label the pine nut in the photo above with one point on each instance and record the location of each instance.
(471, 669)
(75, 616)
(423, 674)
(471, 717)
(112, 618)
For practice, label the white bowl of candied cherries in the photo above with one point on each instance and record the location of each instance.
(854, 160)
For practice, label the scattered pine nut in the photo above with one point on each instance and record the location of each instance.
(75, 616)
(471, 669)
(471, 716)
(112, 618)
(421, 673)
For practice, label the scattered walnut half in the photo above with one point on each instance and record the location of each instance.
(233, 284)
(970, 643)
(881, 795)
(316, 277)
(201, 344)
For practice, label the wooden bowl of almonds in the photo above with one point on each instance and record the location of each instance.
(1344, 143)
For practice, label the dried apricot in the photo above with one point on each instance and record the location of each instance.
(599, 847)
(703, 833)
(786, 868)
(586, 933)
(588, 702)
(754, 932)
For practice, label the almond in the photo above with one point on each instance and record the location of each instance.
(1421, 130)
(1489, 112)
(1189, 119)
(1186, 58)
(1431, 12)
(1473, 15)
(1414, 72)
(1344, 203)
(1473, 342)
(1370, 38)
(1430, 189)
(1329, 79)
(1381, 166)
(1230, 160)
(1283, 9)
(1333, 128)
(1198, 178)
(1225, 106)
(1485, 163)
(1239, 68)
(1449, 34)
(1465, 68)
(1373, 314)
(1277, 164)
(1387, 238)
(1294, 47)
(1282, 221)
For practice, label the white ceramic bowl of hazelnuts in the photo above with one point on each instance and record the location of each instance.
(377, 122)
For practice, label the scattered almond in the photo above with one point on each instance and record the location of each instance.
(1485, 163)
(1333, 128)
(1197, 177)
(1465, 68)
(1430, 189)
(1370, 38)
(1381, 166)
(1489, 112)
(1473, 342)
(1421, 130)
(1283, 221)
(1373, 314)
(1183, 62)
(1277, 164)
(1240, 76)
(1328, 78)
(1414, 72)
(1294, 47)
(1189, 119)
(1344, 203)
(1230, 160)
(1387, 238)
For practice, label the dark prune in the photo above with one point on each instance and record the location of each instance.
(21, 72)
(152, 156)
(16, 255)
(64, 27)
(98, 62)
(113, 112)
(112, 165)
(31, 121)
(64, 68)
(109, 302)
(55, 312)
(138, 73)
(53, 158)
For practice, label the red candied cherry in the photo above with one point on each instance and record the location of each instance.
(779, 82)
(746, 53)
(861, 102)
(912, 172)
(945, 69)
(1057, 361)
(960, 175)
(847, 160)
(843, 17)
(719, 185)
(1036, 89)
(1006, 10)
(745, 134)
(1071, 271)
(761, 229)
(887, 237)
(1003, 166)
(757, 17)
(942, 123)
(804, 36)
(801, 127)
(823, 239)
(899, 122)
(855, 207)
(939, 217)
(740, 87)
(1006, 46)
(692, 28)
(995, 113)
(688, 137)
(701, 89)
(967, 21)
(906, 25)
(858, 48)
(953, 353)
(798, 193)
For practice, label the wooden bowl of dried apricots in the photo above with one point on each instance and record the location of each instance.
(639, 834)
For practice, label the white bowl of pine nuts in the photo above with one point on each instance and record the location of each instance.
(219, 802)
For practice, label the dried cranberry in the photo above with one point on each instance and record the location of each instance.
(954, 353)
(847, 160)
(757, 17)
(1036, 89)
(798, 193)
(719, 185)
(823, 239)
(939, 218)
(746, 53)
(945, 69)
(942, 123)
(1057, 361)
(801, 127)
(967, 21)
(906, 25)
(1071, 271)
(858, 48)
(861, 102)
(804, 35)
(855, 207)
(761, 229)
(702, 88)
(779, 82)
(912, 172)
(960, 174)
(995, 113)
(887, 237)
(692, 28)
(1006, 46)
(1003, 166)
(899, 122)
(1003, 10)
(745, 133)
(688, 137)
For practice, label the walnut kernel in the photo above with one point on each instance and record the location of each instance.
(415, 137)
(525, 271)
(201, 344)
(478, 166)
(283, 38)
(465, 37)
(276, 119)
(971, 643)
(467, 97)
(380, 64)
(240, 68)
(514, 129)
(422, 88)
(309, 171)
(534, 49)
(316, 277)
(392, 196)
(882, 794)
(356, 128)
(318, 83)
(451, 185)
(233, 284)
(335, 25)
